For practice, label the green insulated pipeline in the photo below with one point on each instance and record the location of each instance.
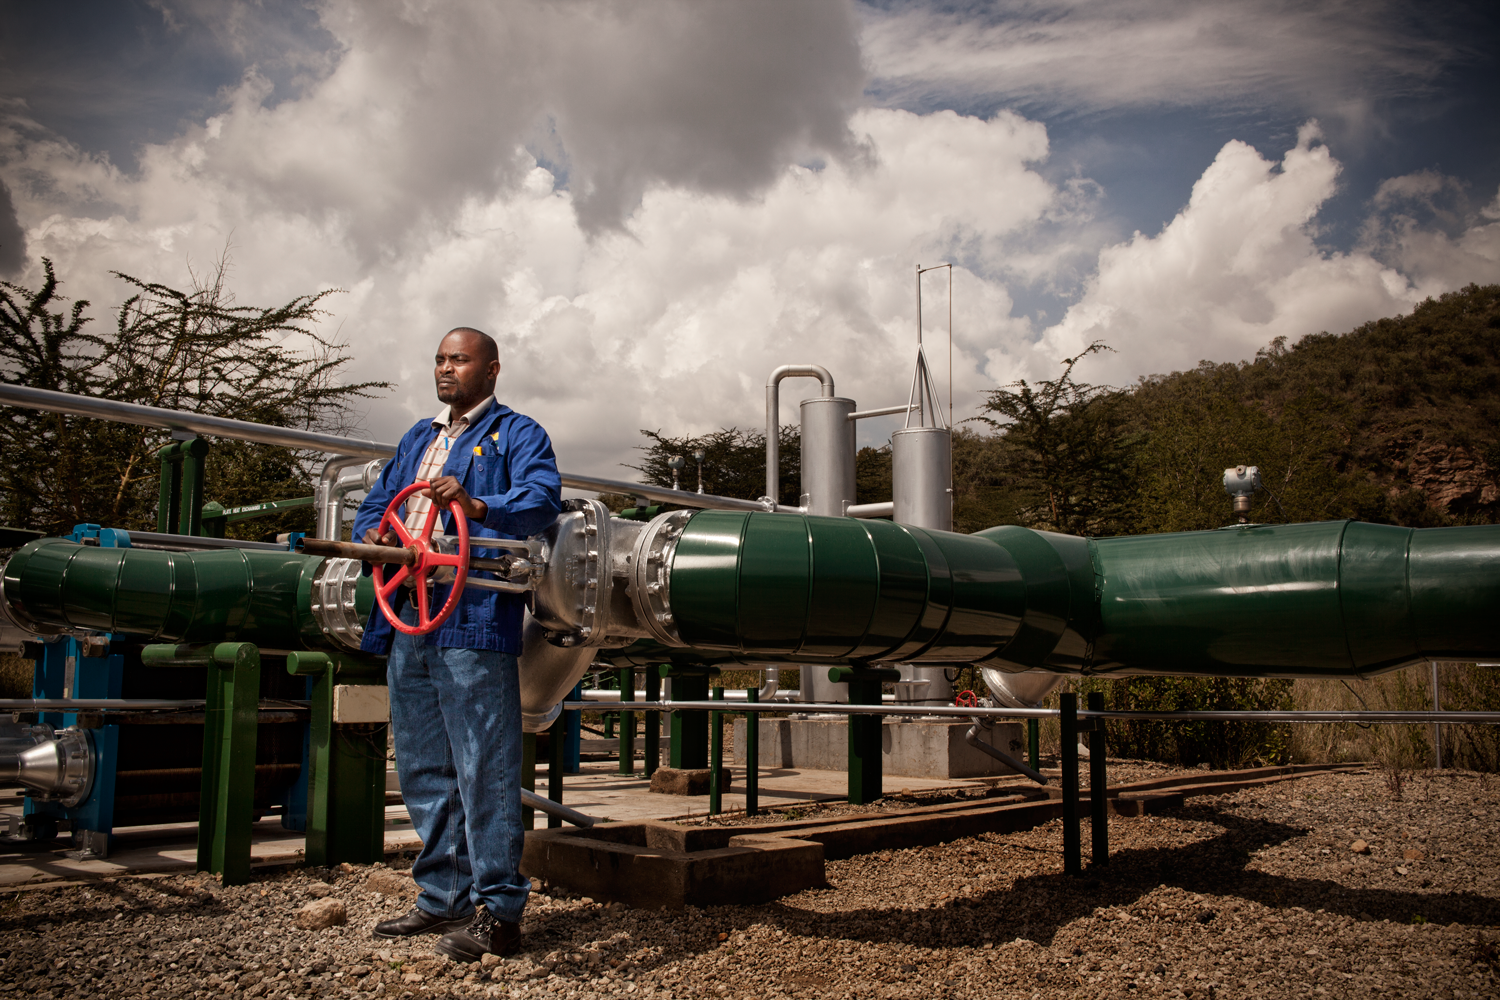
(1329, 599)
(277, 600)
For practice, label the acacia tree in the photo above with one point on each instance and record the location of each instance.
(192, 350)
(1064, 449)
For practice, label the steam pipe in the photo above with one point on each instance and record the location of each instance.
(340, 447)
(972, 738)
(773, 417)
(557, 809)
(198, 423)
(334, 484)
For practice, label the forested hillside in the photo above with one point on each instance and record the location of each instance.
(1397, 421)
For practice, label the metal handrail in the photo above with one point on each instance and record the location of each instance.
(953, 711)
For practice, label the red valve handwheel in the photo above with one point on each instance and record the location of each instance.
(428, 559)
(966, 699)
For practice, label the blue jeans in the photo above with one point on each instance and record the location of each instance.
(457, 720)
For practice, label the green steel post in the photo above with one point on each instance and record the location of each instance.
(194, 454)
(229, 730)
(865, 771)
(716, 757)
(1072, 835)
(752, 754)
(557, 737)
(689, 729)
(1034, 743)
(347, 764)
(528, 777)
(653, 723)
(609, 724)
(1098, 785)
(627, 721)
(169, 487)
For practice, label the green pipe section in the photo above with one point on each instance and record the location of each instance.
(227, 595)
(1329, 599)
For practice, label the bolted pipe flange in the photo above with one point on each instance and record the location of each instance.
(651, 585)
(333, 603)
(572, 596)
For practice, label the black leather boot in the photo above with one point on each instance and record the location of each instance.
(419, 921)
(484, 935)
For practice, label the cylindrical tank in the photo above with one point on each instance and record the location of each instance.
(827, 455)
(922, 477)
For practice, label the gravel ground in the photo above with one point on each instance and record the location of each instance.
(1253, 894)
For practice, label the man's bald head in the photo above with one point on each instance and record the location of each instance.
(468, 363)
(483, 346)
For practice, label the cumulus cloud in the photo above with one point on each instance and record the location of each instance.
(1237, 267)
(1335, 59)
(671, 321)
(12, 238)
(1429, 226)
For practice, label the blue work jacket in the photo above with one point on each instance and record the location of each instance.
(503, 459)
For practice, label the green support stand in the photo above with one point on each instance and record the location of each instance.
(864, 730)
(689, 729)
(346, 763)
(627, 721)
(226, 805)
(180, 497)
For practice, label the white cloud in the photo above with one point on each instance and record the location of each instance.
(697, 218)
(1237, 267)
(1335, 59)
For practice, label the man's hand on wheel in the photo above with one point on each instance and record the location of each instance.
(374, 537)
(448, 489)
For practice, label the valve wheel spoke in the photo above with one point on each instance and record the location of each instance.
(427, 559)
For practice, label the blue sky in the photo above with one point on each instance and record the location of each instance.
(653, 205)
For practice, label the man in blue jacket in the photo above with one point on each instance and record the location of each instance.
(455, 703)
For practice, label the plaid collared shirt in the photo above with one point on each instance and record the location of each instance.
(436, 457)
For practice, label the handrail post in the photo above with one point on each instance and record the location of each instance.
(627, 721)
(1098, 785)
(752, 754)
(653, 722)
(716, 757)
(1072, 835)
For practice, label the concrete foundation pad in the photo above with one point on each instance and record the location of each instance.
(687, 781)
(662, 865)
(915, 748)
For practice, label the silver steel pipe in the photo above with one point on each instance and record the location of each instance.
(95, 704)
(972, 738)
(557, 809)
(334, 484)
(340, 447)
(198, 423)
(773, 416)
(884, 411)
(886, 509)
(705, 501)
(184, 543)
